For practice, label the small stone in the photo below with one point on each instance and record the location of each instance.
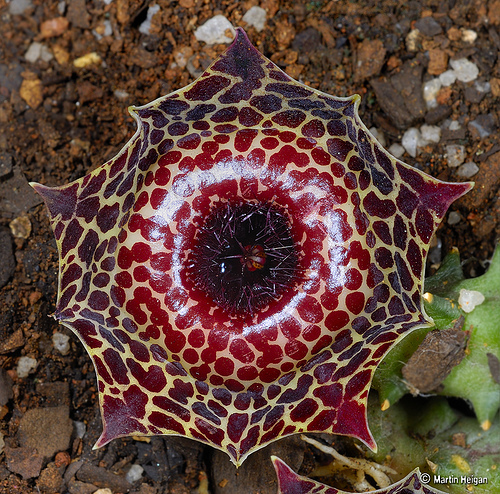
(121, 94)
(379, 135)
(182, 55)
(54, 27)
(413, 40)
(465, 70)
(134, 474)
(145, 27)
(20, 227)
(430, 91)
(469, 36)
(256, 17)
(470, 299)
(50, 480)
(86, 60)
(106, 490)
(483, 126)
(2, 443)
(494, 12)
(431, 133)
(61, 343)
(495, 87)
(47, 429)
(5, 164)
(80, 429)
(6, 391)
(428, 26)
(455, 154)
(31, 92)
(38, 51)
(25, 365)
(24, 461)
(18, 7)
(370, 57)
(467, 170)
(438, 61)
(410, 141)
(447, 78)
(8, 264)
(454, 218)
(214, 31)
(61, 54)
(396, 150)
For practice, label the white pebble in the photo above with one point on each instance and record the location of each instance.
(134, 474)
(379, 135)
(255, 17)
(104, 490)
(145, 27)
(431, 89)
(17, 7)
(121, 94)
(468, 35)
(431, 133)
(2, 443)
(454, 125)
(454, 218)
(214, 31)
(38, 51)
(468, 170)
(447, 78)
(465, 70)
(61, 343)
(470, 299)
(396, 150)
(455, 155)
(411, 139)
(80, 428)
(61, 7)
(25, 365)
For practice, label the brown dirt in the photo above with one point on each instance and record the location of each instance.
(59, 121)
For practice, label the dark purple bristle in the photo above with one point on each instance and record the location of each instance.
(244, 257)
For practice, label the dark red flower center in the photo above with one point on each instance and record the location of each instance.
(244, 256)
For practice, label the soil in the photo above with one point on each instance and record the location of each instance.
(62, 115)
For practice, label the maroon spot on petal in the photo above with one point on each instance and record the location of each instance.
(152, 379)
(310, 310)
(403, 272)
(71, 238)
(98, 300)
(339, 148)
(296, 350)
(191, 141)
(116, 365)
(247, 373)
(212, 433)
(289, 90)
(382, 208)
(250, 440)
(178, 129)
(323, 421)
(167, 422)
(249, 117)
(382, 231)
(313, 128)
(236, 425)
(399, 232)
(414, 257)
(107, 217)
(269, 374)
(227, 114)
(353, 279)
(384, 258)
(425, 224)
(72, 272)
(336, 320)
(269, 143)
(289, 118)
(244, 138)
(205, 89)
(396, 306)
(304, 410)
(224, 366)
(266, 104)
(294, 395)
(407, 201)
(355, 302)
(241, 351)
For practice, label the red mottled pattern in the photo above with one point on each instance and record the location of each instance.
(291, 483)
(168, 360)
